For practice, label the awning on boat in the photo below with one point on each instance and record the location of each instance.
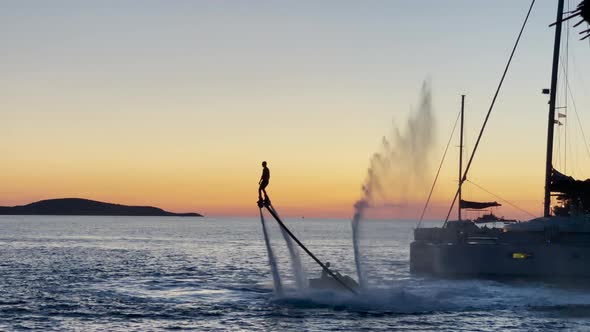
(573, 195)
(568, 185)
(477, 205)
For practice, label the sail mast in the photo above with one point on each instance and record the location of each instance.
(461, 154)
(551, 120)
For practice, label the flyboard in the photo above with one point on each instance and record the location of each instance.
(330, 279)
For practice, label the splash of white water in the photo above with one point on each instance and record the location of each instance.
(396, 172)
(296, 265)
(359, 208)
(272, 261)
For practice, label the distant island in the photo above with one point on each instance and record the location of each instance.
(86, 207)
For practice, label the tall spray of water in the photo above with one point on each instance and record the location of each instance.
(396, 171)
(296, 266)
(272, 260)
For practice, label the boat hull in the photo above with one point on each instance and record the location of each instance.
(332, 284)
(500, 259)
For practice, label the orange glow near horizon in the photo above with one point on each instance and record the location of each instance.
(180, 114)
(317, 193)
(311, 182)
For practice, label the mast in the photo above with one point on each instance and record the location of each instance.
(551, 120)
(461, 154)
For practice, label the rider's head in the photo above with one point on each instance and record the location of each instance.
(327, 264)
(264, 164)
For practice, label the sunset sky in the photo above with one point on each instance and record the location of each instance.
(176, 103)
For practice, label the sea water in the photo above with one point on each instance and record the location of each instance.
(206, 274)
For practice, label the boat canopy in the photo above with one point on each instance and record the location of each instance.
(477, 205)
(562, 183)
(574, 195)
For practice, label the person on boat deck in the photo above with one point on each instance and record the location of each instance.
(263, 181)
(324, 272)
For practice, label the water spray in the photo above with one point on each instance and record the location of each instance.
(395, 171)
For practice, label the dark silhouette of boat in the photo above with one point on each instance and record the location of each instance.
(556, 245)
(492, 218)
(327, 281)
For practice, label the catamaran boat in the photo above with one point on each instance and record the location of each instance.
(554, 245)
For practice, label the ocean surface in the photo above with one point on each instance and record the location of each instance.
(208, 274)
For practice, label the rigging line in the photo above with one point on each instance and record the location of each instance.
(438, 172)
(558, 147)
(566, 74)
(502, 199)
(569, 90)
(490, 110)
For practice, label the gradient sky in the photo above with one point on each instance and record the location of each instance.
(176, 103)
